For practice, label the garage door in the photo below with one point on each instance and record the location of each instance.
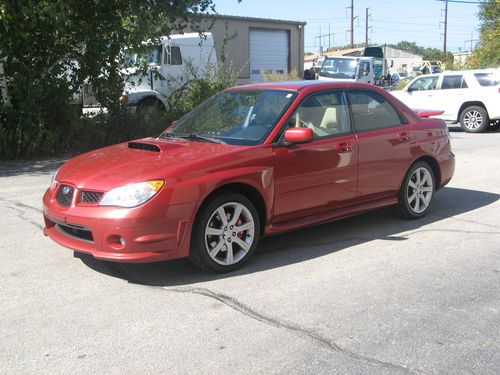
(268, 53)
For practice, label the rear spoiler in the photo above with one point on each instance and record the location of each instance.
(427, 112)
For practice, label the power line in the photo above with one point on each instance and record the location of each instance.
(462, 1)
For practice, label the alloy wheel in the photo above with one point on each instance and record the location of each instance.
(229, 233)
(473, 119)
(420, 190)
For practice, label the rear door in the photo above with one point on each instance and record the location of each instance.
(453, 92)
(320, 175)
(385, 143)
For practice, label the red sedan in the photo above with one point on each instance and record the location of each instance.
(251, 161)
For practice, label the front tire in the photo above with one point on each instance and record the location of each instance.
(225, 233)
(474, 119)
(417, 191)
(150, 108)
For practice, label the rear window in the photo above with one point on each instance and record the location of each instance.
(453, 82)
(487, 79)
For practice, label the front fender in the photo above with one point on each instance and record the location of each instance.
(260, 178)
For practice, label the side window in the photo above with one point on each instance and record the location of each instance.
(453, 82)
(424, 83)
(370, 111)
(172, 55)
(324, 113)
(487, 79)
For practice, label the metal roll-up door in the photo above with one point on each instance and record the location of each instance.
(269, 53)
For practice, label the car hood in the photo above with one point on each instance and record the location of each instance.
(136, 161)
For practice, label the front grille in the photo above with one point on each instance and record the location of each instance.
(78, 232)
(91, 196)
(65, 195)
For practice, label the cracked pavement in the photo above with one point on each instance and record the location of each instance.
(369, 294)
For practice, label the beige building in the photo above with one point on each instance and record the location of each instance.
(397, 60)
(255, 46)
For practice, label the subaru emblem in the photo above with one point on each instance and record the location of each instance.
(65, 190)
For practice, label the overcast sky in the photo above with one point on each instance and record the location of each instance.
(392, 20)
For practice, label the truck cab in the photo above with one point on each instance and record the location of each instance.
(167, 63)
(347, 69)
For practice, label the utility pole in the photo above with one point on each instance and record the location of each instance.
(471, 40)
(321, 36)
(367, 27)
(329, 43)
(351, 30)
(445, 28)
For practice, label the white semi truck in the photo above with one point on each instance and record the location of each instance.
(347, 69)
(167, 63)
(369, 67)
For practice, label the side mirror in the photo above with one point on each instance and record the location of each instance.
(298, 135)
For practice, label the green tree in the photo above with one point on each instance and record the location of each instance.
(488, 53)
(50, 47)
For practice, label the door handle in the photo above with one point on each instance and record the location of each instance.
(343, 147)
(404, 137)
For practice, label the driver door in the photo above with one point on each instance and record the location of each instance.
(321, 175)
(420, 94)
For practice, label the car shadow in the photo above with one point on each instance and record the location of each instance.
(304, 244)
(456, 128)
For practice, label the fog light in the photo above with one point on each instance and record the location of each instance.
(116, 242)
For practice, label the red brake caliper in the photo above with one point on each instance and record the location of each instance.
(242, 233)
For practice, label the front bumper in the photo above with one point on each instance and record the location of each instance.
(148, 233)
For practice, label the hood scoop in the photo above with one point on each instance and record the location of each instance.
(144, 146)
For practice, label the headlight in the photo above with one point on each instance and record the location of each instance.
(132, 195)
(53, 181)
(53, 177)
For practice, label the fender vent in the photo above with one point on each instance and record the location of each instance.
(143, 146)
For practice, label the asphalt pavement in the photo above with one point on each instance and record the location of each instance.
(369, 294)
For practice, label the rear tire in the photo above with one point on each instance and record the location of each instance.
(474, 119)
(416, 192)
(225, 233)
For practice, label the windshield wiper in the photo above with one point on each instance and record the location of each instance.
(168, 135)
(200, 138)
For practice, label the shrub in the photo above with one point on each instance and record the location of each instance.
(276, 77)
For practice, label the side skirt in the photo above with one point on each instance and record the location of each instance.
(328, 216)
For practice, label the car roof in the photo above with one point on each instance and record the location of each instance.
(300, 85)
(472, 71)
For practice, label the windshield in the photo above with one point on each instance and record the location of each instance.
(134, 59)
(339, 68)
(240, 117)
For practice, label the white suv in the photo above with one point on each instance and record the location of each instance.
(471, 97)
